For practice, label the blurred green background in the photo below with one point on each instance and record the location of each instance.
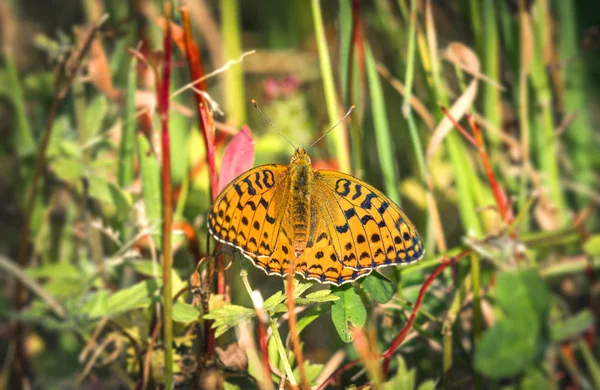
(519, 311)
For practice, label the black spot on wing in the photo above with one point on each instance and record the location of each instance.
(366, 218)
(250, 189)
(366, 204)
(343, 228)
(263, 203)
(350, 213)
(237, 189)
(342, 187)
(358, 189)
(268, 178)
(322, 236)
(257, 180)
(384, 206)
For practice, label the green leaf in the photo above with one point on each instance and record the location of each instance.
(405, 379)
(571, 327)
(136, 296)
(592, 364)
(67, 169)
(312, 371)
(320, 296)
(184, 312)
(273, 301)
(515, 342)
(230, 386)
(227, 317)
(592, 245)
(111, 195)
(522, 293)
(147, 268)
(310, 315)
(55, 271)
(94, 114)
(534, 379)
(347, 312)
(379, 287)
(506, 348)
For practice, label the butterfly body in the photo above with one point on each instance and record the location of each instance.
(301, 183)
(324, 225)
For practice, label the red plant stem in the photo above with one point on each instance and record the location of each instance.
(477, 141)
(196, 73)
(356, 44)
(499, 195)
(206, 125)
(387, 355)
(167, 200)
(458, 126)
(264, 351)
(291, 303)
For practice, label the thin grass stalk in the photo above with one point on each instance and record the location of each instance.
(339, 138)
(352, 74)
(523, 101)
(293, 325)
(546, 142)
(477, 316)
(232, 47)
(447, 358)
(465, 177)
(24, 142)
(167, 201)
(491, 68)
(383, 137)
(476, 24)
(408, 82)
(127, 145)
(95, 239)
(579, 133)
(414, 135)
(282, 353)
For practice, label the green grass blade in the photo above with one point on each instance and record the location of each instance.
(579, 133)
(544, 132)
(382, 131)
(234, 76)
(338, 138)
(127, 145)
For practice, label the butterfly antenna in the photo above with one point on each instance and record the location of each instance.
(336, 125)
(271, 124)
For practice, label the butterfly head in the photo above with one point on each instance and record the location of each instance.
(300, 157)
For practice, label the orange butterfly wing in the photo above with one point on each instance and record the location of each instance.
(366, 228)
(248, 212)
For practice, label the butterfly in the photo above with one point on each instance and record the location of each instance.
(324, 225)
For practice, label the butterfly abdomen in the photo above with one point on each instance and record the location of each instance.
(301, 175)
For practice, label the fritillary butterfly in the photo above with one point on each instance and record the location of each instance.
(325, 225)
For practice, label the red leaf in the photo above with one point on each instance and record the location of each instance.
(238, 157)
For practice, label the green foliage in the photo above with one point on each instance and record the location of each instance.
(516, 312)
(406, 379)
(517, 340)
(348, 312)
(379, 288)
